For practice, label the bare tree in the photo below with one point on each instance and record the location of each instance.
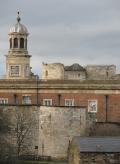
(6, 148)
(25, 120)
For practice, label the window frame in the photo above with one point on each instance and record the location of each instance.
(5, 101)
(95, 102)
(26, 101)
(47, 100)
(14, 74)
(72, 102)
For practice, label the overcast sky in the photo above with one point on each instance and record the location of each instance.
(66, 31)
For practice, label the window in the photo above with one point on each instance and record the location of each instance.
(26, 43)
(15, 42)
(21, 42)
(26, 100)
(3, 100)
(69, 102)
(47, 102)
(46, 73)
(10, 42)
(92, 106)
(14, 70)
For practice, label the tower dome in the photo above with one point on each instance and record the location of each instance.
(18, 59)
(18, 27)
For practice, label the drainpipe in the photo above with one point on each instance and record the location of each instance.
(106, 108)
(59, 97)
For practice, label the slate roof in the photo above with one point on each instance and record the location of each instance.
(97, 144)
(74, 67)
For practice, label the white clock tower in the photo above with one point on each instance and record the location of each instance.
(18, 59)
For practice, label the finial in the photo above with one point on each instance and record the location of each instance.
(18, 17)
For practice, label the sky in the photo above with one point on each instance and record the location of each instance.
(64, 31)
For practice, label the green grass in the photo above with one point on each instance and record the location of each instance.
(40, 162)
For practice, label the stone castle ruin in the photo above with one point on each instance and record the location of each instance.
(77, 72)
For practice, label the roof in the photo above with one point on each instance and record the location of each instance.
(97, 144)
(18, 27)
(74, 67)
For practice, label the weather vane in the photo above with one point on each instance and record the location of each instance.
(18, 17)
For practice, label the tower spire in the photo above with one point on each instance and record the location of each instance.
(18, 17)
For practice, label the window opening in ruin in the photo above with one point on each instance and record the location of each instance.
(69, 102)
(46, 73)
(15, 42)
(47, 102)
(21, 42)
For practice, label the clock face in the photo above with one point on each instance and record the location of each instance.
(14, 70)
(92, 106)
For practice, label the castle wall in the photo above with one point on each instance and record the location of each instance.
(98, 72)
(52, 71)
(75, 75)
(49, 129)
(57, 127)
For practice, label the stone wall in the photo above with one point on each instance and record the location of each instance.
(52, 71)
(23, 123)
(57, 127)
(75, 75)
(100, 72)
(49, 129)
(100, 158)
(90, 72)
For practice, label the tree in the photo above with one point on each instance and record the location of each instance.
(25, 122)
(6, 148)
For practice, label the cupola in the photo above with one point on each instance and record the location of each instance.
(18, 36)
(18, 59)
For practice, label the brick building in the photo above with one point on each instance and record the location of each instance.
(96, 88)
(93, 90)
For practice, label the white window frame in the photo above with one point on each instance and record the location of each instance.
(69, 102)
(15, 75)
(47, 102)
(28, 100)
(3, 100)
(92, 104)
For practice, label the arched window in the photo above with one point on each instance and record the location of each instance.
(10, 42)
(21, 42)
(15, 42)
(26, 43)
(46, 73)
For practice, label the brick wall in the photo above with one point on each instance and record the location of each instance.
(106, 111)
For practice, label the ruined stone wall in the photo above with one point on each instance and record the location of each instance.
(49, 129)
(52, 71)
(57, 127)
(100, 72)
(75, 75)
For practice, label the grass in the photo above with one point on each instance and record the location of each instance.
(40, 162)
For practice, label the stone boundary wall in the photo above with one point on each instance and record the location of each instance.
(57, 127)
